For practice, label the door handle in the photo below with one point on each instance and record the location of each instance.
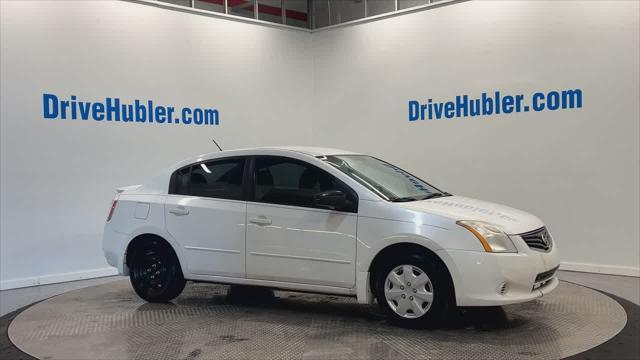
(179, 211)
(262, 221)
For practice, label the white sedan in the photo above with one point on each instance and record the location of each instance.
(326, 221)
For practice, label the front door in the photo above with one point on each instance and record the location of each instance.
(290, 240)
(205, 212)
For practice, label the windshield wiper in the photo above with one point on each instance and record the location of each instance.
(406, 198)
(425, 197)
(435, 195)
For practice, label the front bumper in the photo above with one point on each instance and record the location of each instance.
(492, 279)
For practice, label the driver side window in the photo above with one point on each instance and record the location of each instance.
(291, 182)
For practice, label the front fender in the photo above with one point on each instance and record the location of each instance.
(366, 253)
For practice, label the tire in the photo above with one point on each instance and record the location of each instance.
(155, 271)
(423, 303)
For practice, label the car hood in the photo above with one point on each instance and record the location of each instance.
(512, 221)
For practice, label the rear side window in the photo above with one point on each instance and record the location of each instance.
(220, 179)
(291, 182)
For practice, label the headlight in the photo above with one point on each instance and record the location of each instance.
(491, 237)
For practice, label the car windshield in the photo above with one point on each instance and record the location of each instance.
(386, 180)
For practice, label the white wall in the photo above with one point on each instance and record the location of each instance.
(576, 169)
(346, 87)
(58, 176)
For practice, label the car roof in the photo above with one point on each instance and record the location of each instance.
(274, 150)
(279, 150)
(308, 150)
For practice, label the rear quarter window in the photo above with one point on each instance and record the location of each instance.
(179, 183)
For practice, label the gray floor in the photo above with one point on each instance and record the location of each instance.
(626, 287)
(209, 321)
(623, 286)
(16, 298)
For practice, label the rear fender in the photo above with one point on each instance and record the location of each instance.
(151, 230)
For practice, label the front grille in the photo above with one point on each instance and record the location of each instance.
(538, 239)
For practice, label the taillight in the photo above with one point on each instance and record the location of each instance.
(112, 210)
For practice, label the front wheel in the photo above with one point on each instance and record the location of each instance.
(155, 272)
(413, 290)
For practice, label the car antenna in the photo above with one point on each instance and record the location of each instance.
(214, 141)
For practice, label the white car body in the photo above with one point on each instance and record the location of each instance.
(326, 251)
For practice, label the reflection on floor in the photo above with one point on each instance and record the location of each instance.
(623, 286)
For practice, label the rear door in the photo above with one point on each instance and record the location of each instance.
(206, 212)
(290, 240)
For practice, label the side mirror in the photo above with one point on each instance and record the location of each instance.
(332, 200)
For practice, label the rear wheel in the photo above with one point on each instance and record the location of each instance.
(413, 290)
(155, 271)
